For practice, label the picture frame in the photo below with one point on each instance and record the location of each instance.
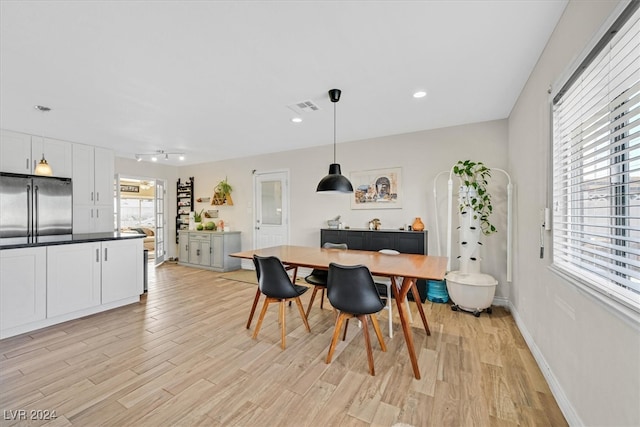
(377, 189)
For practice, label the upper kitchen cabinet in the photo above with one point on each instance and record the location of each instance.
(20, 153)
(93, 171)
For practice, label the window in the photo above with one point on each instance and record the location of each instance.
(596, 166)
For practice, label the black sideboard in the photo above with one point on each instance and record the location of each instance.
(408, 242)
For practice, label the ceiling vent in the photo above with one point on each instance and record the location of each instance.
(304, 107)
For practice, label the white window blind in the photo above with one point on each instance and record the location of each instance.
(596, 169)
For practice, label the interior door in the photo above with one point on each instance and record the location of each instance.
(160, 222)
(271, 214)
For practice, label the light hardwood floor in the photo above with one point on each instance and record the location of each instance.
(182, 356)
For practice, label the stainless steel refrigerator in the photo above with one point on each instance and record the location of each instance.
(35, 209)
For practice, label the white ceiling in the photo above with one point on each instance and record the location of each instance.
(213, 79)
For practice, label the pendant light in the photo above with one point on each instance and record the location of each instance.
(43, 167)
(335, 182)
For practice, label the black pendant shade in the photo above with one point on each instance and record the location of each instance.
(335, 182)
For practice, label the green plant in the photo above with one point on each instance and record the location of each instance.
(197, 216)
(474, 176)
(222, 193)
(224, 187)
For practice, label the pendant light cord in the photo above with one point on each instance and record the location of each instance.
(334, 132)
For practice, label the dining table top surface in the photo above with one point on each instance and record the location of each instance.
(406, 265)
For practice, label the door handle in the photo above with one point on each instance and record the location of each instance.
(198, 252)
(92, 196)
(105, 253)
(97, 255)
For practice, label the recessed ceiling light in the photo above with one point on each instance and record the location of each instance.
(296, 120)
(420, 94)
(181, 157)
(154, 159)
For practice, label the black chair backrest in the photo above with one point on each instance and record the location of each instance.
(273, 279)
(350, 288)
(257, 266)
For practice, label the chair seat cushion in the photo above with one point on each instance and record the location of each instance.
(301, 289)
(317, 279)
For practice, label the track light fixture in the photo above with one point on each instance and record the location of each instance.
(167, 155)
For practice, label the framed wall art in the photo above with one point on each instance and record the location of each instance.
(377, 189)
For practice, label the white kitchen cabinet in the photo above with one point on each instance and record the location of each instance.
(73, 277)
(85, 275)
(23, 286)
(93, 178)
(122, 269)
(20, 153)
(210, 249)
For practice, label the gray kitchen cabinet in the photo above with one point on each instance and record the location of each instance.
(209, 249)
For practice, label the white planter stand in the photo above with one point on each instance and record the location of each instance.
(469, 289)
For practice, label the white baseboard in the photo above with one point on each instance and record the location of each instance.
(556, 389)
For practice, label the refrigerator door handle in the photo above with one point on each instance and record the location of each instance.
(29, 212)
(36, 213)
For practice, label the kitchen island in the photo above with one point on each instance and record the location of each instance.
(67, 277)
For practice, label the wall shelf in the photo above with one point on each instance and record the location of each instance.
(184, 196)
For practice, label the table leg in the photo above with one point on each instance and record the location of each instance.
(253, 308)
(406, 328)
(418, 301)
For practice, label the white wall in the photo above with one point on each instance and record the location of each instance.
(421, 155)
(591, 355)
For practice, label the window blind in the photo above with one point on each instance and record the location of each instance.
(596, 168)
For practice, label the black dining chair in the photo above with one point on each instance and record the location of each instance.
(276, 285)
(256, 298)
(352, 291)
(318, 278)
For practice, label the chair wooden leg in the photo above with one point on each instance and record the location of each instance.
(334, 338)
(313, 296)
(322, 299)
(367, 342)
(267, 300)
(253, 307)
(376, 328)
(304, 317)
(283, 327)
(346, 325)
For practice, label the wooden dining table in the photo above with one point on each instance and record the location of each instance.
(410, 267)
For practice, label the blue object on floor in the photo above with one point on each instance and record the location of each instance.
(437, 291)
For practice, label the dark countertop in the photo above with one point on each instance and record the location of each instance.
(71, 238)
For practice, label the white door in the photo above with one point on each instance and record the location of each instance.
(160, 222)
(271, 214)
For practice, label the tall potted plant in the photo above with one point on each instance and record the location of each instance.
(469, 288)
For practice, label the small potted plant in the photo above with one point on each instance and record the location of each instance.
(197, 216)
(222, 193)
